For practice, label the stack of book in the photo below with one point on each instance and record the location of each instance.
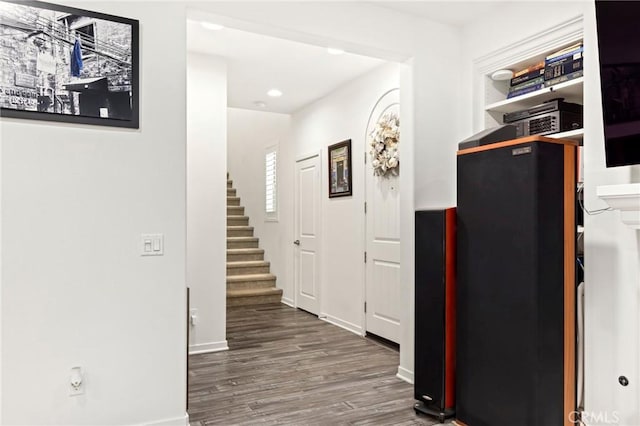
(563, 65)
(527, 80)
(558, 67)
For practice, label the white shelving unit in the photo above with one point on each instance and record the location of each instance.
(496, 102)
(576, 135)
(570, 90)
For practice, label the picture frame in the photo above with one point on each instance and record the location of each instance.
(64, 64)
(340, 171)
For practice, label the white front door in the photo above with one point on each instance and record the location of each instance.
(383, 240)
(307, 229)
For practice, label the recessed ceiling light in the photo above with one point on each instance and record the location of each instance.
(260, 104)
(212, 26)
(274, 93)
(335, 51)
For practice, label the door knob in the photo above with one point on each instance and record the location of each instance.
(296, 242)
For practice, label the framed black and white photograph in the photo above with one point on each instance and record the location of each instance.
(340, 169)
(70, 65)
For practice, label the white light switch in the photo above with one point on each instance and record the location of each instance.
(152, 245)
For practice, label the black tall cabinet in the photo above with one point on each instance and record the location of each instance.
(516, 283)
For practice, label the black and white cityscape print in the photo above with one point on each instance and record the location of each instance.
(64, 62)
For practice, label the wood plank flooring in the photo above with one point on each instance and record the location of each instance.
(285, 366)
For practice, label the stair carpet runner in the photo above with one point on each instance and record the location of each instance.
(249, 281)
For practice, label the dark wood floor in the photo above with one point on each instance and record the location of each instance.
(285, 366)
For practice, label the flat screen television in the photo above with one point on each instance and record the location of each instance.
(618, 25)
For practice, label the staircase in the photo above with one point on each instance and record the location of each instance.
(249, 281)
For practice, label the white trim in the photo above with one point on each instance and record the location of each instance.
(544, 41)
(404, 374)
(175, 421)
(624, 197)
(354, 328)
(205, 348)
(309, 155)
(287, 301)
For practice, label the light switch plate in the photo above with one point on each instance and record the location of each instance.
(151, 244)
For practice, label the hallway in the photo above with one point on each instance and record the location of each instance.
(285, 366)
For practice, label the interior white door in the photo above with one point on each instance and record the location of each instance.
(307, 234)
(383, 240)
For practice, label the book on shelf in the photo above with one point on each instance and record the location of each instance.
(526, 90)
(554, 71)
(565, 51)
(529, 69)
(563, 78)
(526, 77)
(527, 84)
(567, 57)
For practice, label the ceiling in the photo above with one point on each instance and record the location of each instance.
(304, 72)
(258, 63)
(452, 12)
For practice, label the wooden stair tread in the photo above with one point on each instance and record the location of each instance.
(254, 292)
(245, 251)
(236, 216)
(238, 239)
(238, 227)
(251, 277)
(247, 263)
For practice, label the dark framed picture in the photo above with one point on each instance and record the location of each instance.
(340, 184)
(68, 65)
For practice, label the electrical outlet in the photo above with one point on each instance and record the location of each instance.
(76, 382)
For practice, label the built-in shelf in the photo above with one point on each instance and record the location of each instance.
(570, 90)
(576, 135)
(626, 198)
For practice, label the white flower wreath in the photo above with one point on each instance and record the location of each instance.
(385, 137)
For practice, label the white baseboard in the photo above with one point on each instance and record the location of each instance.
(205, 348)
(176, 421)
(288, 302)
(342, 324)
(404, 374)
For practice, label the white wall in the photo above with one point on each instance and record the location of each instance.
(341, 115)
(206, 200)
(612, 268)
(612, 251)
(249, 134)
(75, 290)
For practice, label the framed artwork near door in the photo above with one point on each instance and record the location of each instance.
(69, 65)
(340, 184)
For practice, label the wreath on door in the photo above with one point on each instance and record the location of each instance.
(383, 142)
(383, 134)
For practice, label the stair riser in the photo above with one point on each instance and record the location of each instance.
(244, 257)
(231, 192)
(248, 270)
(232, 221)
(245, 285)
(239, 232)
(235, 210)
(242, 244)
(255, 300)
(229, 183)
(233, 201)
